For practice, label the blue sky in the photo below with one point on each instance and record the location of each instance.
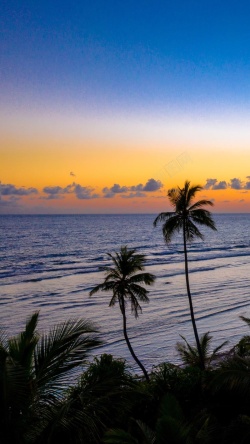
(126, 55)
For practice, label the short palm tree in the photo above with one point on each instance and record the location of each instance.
(183, 219)
(190, 356)
(125, 283)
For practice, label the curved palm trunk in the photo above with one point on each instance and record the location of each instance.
(128, 342)
(191, 303)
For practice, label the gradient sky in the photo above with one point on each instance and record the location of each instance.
(104, 106)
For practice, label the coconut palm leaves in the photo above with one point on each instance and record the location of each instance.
(183, 219)
(127, 286)
(190, 356)
(34, 370)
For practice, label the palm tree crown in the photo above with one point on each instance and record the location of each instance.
(124, 281)
(183, 219)
(186, 213)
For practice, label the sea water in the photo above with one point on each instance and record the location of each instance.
(50, 263)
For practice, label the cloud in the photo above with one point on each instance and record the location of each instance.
(72, 174)
(84, 192)
(9, 201)
(138, 187)
(12, 190)
(107, 193)
(150, 186)
(80, 192)
(209, 184)
(58, 192)
(132, 195)
(222, 185)
(236, 184)
(118, 189)
(242, 200)
(115, 189)
(153, 185)
(213, 184)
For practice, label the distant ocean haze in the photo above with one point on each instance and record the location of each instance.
(50, 263)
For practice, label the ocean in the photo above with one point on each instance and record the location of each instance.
(50, 263)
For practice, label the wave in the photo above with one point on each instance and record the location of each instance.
(226, 310)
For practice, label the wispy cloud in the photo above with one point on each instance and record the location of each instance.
(132, 195)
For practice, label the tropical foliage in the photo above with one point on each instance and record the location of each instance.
(190, 356)
(34, 370)
(42, 402)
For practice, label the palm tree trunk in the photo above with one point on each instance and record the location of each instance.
(190, 301)
(128, 342)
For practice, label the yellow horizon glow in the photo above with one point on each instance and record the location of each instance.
(33, 161)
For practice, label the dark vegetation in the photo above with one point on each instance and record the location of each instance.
(203, 401)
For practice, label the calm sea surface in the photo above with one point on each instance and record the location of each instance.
(50, 263)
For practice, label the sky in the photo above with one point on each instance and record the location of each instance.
(105, 105)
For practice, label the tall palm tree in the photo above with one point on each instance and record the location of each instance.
(183, 219)
(125, 283)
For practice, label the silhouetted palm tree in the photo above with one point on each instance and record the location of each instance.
(190, 356)
(125, 283)
(183, 219)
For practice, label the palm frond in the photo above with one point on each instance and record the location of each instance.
(188, 353)
(174, 196)
(105, 286)
(234, 376)
(191, 192)
(135, 291)
(203, 217)
(21, 347)
(64, 348)
(119, 436)
(135, 305)
(116, 261)
(191, 231)
(247, 320)
(215, 353)
(200, 203)
(162, 217)
(148, 434)
(171, 226)
(142, 278)
(114, 298)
